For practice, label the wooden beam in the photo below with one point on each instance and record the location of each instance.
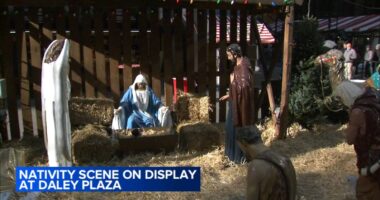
(36, 54)
(233, 26)
(212, 64)
(155, 49)
(179, 58)
(75, 61)
(171, 4)
(267, 86)
(115, 55)
(243, 31)
(100, 54)
(190, 56)
(287, 64)
(202, 75)
(22, 65)
(143, 43)
(168, 56)
(127, 53)
(223, 70)
(88, 59)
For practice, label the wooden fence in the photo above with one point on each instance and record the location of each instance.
(106, 46)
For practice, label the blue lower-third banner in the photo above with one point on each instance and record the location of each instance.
(111, 179)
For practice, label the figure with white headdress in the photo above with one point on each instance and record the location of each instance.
(142, 108)
(55, 94)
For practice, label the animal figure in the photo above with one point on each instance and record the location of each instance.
(55, 93)
(343, 91)
(334, 60)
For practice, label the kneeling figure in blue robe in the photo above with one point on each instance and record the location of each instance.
(140, 105)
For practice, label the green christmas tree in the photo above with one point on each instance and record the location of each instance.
(309, 82)
(308, 90)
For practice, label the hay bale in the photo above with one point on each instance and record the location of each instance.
(156, 131)
(85, 111)
(154, 140)
(92, 144)
(198, 136)
(192, 108)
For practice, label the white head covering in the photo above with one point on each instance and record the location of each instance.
(140, 79)
(140, 98)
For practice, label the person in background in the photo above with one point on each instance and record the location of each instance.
(363, 132)
(241, 109)
(344, 47)
(140, 105)
(368, 61)
(349, 58)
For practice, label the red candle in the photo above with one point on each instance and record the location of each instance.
(175, 89)
(185, 85)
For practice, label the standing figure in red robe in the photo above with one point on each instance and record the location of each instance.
(241, 106)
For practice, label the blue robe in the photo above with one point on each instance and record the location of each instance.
(136, 119)
(231, 148)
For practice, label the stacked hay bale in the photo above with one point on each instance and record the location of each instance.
(191, 108)
(195, 131)
(90, 111)
(199, 136)
(90, 118)
(92, 144)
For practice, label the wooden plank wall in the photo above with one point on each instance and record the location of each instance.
(21, 72)
(8, 50)
(178, 51)
(75, 53)
(223, 68)
(155, 51)
(168, 56)
(173, 42)
(212, 64)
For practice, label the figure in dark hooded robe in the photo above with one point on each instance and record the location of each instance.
(240, 100)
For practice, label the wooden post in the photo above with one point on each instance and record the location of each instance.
(267, 86)
(282, 121)
(155, 49)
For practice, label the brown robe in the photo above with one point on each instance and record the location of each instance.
(271, 176)
(242, 94)
(362, 124)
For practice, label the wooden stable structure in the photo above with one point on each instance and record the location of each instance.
(112, 41)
